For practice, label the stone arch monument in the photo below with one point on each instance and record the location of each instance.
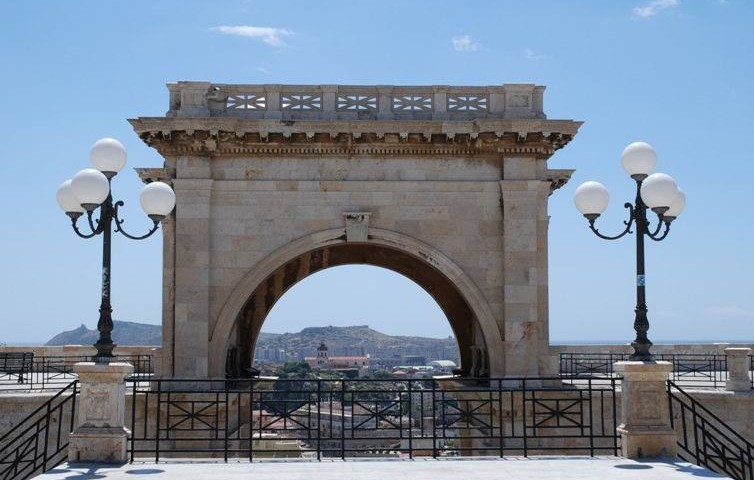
(446, 185)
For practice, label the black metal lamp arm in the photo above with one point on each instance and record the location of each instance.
(81, 234)
(656, 235)
(119, 224)
(629, 223)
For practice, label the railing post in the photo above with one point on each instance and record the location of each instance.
(738, 369)
(101, 435)
(645, 429)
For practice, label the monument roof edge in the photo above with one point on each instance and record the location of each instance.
(167, 124)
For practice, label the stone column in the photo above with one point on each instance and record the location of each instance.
(645, 425)
(100, 435)
(738, 369)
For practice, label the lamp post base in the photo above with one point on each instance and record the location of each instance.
(645, 429)
(100, 435)
(104, 352)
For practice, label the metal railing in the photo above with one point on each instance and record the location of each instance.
(53, 372)
(706, 440)
(263, 418)
(40, 441)
(689, 370)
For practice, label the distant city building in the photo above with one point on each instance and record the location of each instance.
(443, 365)
(271, 354)
(324, 361)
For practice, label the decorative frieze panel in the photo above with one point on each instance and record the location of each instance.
(467, 103)
(246, 102)
(357, 103)
(412, 103)
(301, 102)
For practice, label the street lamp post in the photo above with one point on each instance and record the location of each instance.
(89, 190)
(654, 191)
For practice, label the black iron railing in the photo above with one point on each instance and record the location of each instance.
(53, 372)
(258, 418)
(40, 441)
(706, 440)
(689, 370)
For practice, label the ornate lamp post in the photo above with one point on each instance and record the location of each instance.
(655, 191)
(89, 190)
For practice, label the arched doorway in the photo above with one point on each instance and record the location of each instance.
(244, 313)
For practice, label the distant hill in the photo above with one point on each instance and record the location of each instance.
(357, 339)
(124, 333)
(351, 340)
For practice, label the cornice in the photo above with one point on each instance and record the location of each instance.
(558, 178)
(232, 136)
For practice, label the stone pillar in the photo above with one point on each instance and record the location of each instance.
(525, 221)
(193, 191)
(193, 99)
(166, 357)
(100, 435)
(738, 369)
(329, 101)
(645, 427)
(384, 102)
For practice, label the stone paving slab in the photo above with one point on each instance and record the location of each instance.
(533, 468)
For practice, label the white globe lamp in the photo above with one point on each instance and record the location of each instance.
(639, 160)
(157, 200)
(591, 199)
(91, 188)
(108, 156)
(658, 191)
(68, 201)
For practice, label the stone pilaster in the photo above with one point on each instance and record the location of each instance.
(193, 189)
(168, 295)
(525, 221)
(645, 427)
(100, 435)
(738, 369)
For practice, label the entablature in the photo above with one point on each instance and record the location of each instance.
(232, 136)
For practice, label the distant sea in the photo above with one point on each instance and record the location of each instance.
(656, 342)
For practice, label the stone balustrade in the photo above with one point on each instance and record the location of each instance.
(352, 102)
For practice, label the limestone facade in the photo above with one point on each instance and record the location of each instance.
(446, 185)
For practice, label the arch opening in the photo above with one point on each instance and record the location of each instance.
(366, 316)
(464, 323)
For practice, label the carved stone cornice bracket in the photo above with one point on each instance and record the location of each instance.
(223, 136)
(149, 175)
(558, 178)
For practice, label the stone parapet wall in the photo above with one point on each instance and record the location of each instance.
(626, 349)
(355, 102)
(736, 409)
(680, 348)
(81, 350)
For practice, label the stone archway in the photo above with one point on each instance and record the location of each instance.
(265, 174)
(471, 319)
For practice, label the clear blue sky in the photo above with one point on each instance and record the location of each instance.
(676, 73)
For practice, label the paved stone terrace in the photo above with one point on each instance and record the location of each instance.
(561, 468)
